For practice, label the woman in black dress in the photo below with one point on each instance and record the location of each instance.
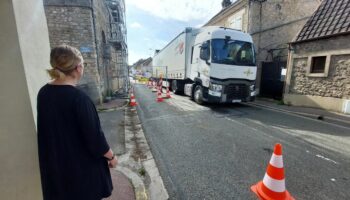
(74, 155)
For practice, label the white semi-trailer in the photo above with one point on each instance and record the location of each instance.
(209, 64)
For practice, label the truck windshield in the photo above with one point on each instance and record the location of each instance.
(232, 52)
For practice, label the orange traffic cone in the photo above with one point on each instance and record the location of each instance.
(159, 95)
(167, 93)
(154, 88)
(272, 187)
(132, 100)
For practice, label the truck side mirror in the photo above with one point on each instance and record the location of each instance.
(204, 53)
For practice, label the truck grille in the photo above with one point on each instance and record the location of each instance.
(236, 91)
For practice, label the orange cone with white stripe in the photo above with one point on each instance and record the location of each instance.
(167, 93)
(272, 187)
(154, 87)
(159, 95)
(132, 100)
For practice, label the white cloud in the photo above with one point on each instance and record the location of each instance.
(199, 25)
(135, 25)
(159, 44)
(182, 10)
(147, 50)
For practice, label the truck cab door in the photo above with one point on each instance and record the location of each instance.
(204, 63)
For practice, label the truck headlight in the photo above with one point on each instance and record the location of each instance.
(252, 87)
(215, 87)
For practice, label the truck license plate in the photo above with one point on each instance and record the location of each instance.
(236, 101)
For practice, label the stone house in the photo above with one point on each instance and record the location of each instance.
(146, 67)
(143, 67)
(272, 25)
(319, 60)
(97, 28)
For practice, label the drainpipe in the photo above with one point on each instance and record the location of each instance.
(260, 25)
(248, 16)
(258, 79)
(96, 49)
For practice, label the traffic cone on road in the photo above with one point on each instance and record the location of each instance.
(132, 100)
(154, 88)
(167, 93)
(272, 187)
(159, 95)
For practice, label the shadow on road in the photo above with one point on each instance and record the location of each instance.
(276, 119)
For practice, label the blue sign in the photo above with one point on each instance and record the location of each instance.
(85, 49)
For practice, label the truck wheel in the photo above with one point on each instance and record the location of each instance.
(174, 87)
(198, 95)
(252, 98)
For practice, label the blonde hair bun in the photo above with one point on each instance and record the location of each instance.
(63, 60)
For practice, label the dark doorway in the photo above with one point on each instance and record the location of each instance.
(272, 79)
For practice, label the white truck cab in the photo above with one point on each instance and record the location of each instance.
(215, 64)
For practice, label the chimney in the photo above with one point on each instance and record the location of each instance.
(225, 3)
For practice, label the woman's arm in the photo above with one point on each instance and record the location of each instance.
(112, 159)
(109, 155)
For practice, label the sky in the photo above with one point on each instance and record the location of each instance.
(152, 24)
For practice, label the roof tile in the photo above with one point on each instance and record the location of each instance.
(332, 17)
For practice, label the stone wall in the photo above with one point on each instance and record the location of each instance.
(336, 84)
(108, 55)
(281, 20)
(278, 12)
(102, 28)
(73, 26)
(76, 23)
(329, 90)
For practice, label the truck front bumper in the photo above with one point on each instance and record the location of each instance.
(232, 92)
(224, 99)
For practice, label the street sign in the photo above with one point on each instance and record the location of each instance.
(85, 49)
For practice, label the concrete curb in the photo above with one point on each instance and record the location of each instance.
(139, 187)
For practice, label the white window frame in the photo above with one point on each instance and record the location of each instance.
(234, 18)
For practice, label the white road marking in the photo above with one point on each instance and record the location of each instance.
(327, 159)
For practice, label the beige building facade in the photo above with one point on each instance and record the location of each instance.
(24, 56)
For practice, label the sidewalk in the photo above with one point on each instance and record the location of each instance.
(114, 104)
(314, 113)
(112, 116)
(122, 187)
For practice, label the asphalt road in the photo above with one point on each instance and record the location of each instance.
(219, 151)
